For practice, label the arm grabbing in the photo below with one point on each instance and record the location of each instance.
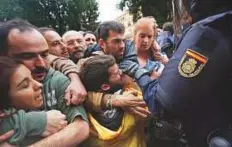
(75, 133)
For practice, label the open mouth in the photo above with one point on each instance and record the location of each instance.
(39, 75)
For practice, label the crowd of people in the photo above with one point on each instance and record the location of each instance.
(162, 88)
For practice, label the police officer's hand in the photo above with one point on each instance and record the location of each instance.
(55, 122)
(75, 92)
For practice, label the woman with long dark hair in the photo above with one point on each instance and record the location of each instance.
(21, 93)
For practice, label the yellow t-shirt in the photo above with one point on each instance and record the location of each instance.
(129, 134)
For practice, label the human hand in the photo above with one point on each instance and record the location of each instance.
(75, 93)
(128, 99)
(55, 122)
(158, 56)
(161, 57)
(138, 111)
(155, 74)
(129, 102)
(2, 114)
(164, 59)
(6, 136)
(6, 144)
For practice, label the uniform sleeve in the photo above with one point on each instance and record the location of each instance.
(149, 89)
(70, 111)
(63, 65)
(24, 125)
(199, 65)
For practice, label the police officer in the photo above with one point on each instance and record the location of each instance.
(196, 83)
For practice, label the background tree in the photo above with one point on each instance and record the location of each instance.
(90, 15)
(160, 9)
(59, 14)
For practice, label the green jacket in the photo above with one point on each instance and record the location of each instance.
(54, 86)
(27, 126)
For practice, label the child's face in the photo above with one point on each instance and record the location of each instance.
(25, 92)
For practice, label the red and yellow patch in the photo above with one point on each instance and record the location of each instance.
(191, 63)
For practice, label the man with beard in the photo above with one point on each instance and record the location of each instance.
(23, 41)
(111, 42)
(57, 50)
(75, 43)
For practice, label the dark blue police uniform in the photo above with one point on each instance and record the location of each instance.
(196, 84)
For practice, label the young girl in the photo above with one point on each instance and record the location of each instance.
(19, 92)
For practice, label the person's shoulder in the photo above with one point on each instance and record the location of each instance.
(55, 78)
(221, 22)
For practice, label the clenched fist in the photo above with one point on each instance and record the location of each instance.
(55, 122)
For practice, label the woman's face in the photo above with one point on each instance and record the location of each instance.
(25, 92)
(144, 38)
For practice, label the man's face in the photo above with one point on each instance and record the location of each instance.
(115, 76)
(56, 44)
(31, 47)
(114, 45)
(144, 38)
(90, 39)
(76, 45)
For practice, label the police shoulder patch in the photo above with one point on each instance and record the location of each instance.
(191, 63)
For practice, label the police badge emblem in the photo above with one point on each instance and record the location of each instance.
(191, 63)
